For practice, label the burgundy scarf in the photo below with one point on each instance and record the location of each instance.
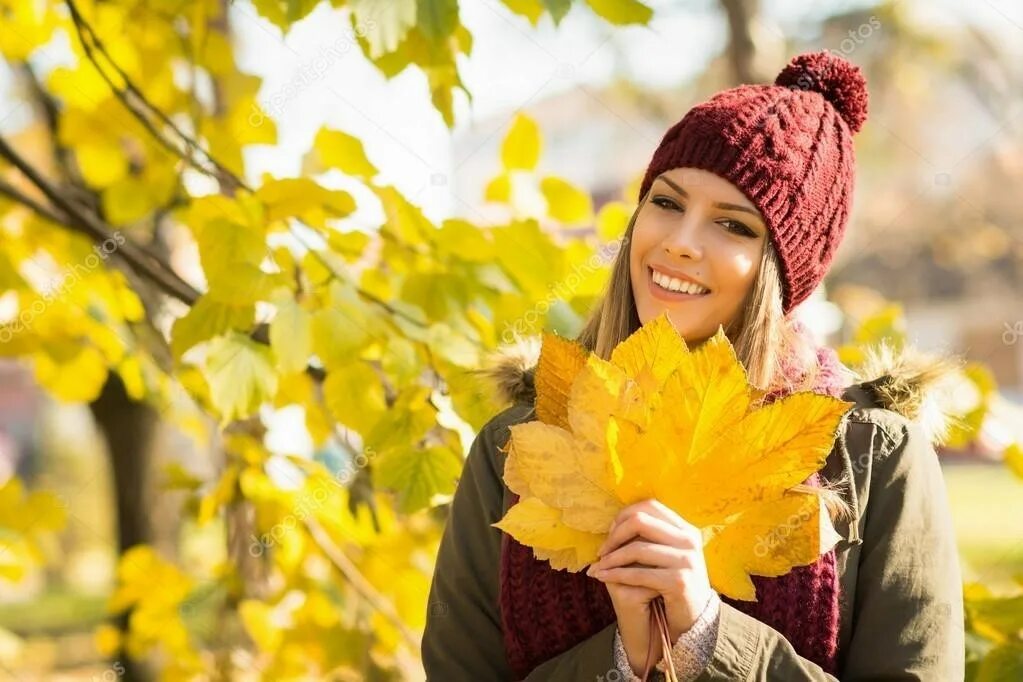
(545, 612)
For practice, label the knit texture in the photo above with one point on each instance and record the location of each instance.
(545, 612)
(788, 147)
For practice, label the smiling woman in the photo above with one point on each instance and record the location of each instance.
(696, 246)
(740, 212)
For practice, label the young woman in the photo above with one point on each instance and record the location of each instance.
(742, 207)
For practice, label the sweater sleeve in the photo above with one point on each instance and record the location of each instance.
(463, 638)
(690, 652)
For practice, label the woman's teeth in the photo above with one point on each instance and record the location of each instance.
(675, 284)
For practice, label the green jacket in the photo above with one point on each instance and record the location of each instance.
(901, 608)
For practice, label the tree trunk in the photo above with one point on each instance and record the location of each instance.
(741, 48)
(128, 427)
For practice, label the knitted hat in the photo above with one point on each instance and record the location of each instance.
(788, 147)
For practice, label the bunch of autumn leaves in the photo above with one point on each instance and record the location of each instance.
(684, 427)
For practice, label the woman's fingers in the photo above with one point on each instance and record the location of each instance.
(661, 581)
(648, 527)
(631, 593)
(648, 554)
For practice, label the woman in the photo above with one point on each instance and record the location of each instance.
(742, 207)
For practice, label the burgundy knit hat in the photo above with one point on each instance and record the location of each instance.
(788, 147)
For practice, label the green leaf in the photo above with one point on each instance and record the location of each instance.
(208, 318)
(566, 202)
(298, 9)
(384, 24)
(276, 11)
(520, 149)
(240, 376)
(529, 257)
(401, 361)
(291, 335)
(462, 240)
(418, 475)
(1002, 663)
(622, 12)
(176, 477)
(453, 346)
(1004, 614)
(558, 9)
(231, 254)
(407, 422)
(530, 9)
(437, 19)
(343, 328)
(437, 294)
(355, 396)
(472, 398)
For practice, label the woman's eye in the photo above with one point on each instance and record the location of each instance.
(664, 202)
(739, 228)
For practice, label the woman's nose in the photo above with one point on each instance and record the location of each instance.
(684, 239)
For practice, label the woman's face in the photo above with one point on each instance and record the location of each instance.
(698, 226)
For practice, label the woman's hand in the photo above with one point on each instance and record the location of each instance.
(651, 551)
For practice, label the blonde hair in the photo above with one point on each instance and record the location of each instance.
(760, 333)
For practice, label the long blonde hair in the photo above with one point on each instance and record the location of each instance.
(760, 333)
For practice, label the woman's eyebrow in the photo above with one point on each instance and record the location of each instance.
(724, 205)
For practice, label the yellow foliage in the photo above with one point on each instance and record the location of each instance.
(659, 421)
(566, 203)
(521, 147)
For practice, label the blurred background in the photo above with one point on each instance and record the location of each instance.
(250, 253)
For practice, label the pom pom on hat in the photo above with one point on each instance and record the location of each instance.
(839, 81)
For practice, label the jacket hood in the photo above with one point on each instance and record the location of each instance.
(905, 380)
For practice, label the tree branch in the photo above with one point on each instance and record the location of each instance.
(81, 221)
(358, 582)
(91, 41)
(223, 175)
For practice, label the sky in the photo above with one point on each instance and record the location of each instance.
(316, 75)
(406, 138)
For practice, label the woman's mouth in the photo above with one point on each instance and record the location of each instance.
(659, 288)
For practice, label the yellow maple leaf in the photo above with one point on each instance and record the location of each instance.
(658, 421)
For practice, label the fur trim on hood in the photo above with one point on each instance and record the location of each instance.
(909, 381)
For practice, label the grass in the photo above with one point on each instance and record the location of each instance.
(57, 610)
(987, 511)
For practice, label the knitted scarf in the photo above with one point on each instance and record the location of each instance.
(545, 612)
